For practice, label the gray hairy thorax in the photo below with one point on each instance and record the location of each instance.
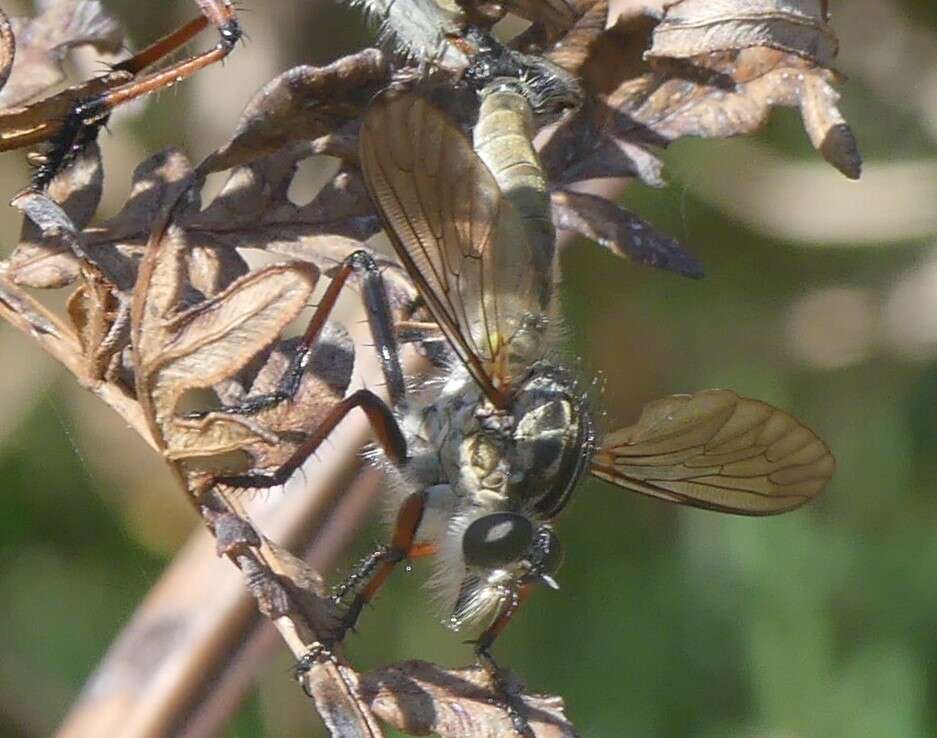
(522, 458)
(471, 459)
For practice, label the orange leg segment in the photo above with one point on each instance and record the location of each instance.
(374, 570)
(90, 105)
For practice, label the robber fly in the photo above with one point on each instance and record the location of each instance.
(497, 447)
(483, 458)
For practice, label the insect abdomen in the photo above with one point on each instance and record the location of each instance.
(502, 140)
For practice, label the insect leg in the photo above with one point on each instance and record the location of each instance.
(508, 610)
(380, 322)
(375, 569)
(512, 704)
(90, 112)
(380, 416)
(219, 12)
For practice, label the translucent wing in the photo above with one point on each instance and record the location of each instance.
(461, 242)
(717, 451)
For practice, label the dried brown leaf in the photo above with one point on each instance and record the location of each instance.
(41, 259)
(115, 246)
(253, 211)
(43, 42)
(99, 312)
(732, 93)
(188, 339)
(335, 689)
(420, 698)
(304, 102)
(621, 232)
(101, 316)
(556, 16)
(324, 382)
(715, 94)
(23, 312)
(555, 24)
(826, 127)
(157, 185)
(575, 46)
(694, 27)
(587, 146)
(179, 348)
(579, 151)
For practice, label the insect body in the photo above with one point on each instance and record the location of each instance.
(484, 457)
(496, 454)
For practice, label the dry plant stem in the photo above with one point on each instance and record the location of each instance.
(333, 687)
(211, 709)
(184, 643)
(147, 680)
(57, 339)
(166, 649)
(195, 619)
(203, 602)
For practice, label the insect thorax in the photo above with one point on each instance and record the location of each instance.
(527, 457)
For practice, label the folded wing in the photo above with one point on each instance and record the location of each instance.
(460, 241)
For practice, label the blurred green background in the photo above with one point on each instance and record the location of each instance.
(820, 297)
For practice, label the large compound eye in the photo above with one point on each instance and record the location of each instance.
(497, 539)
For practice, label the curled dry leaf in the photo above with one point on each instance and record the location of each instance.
(41, 260)
(25, 313)
(586, 146)
(253, 210)
(553, 22)
(304, 102)
(730, 88)
(621, 232)
(101, 316)
(99, 312)
(551, 19)
(732, 93)
(335, 689)
(43, 42)
(420, 698)
(702, 77)
(158, 184)
(179, 349)
(581, 151)
(53, 254)
(557, 16)
(693, 27)
(572, 50)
